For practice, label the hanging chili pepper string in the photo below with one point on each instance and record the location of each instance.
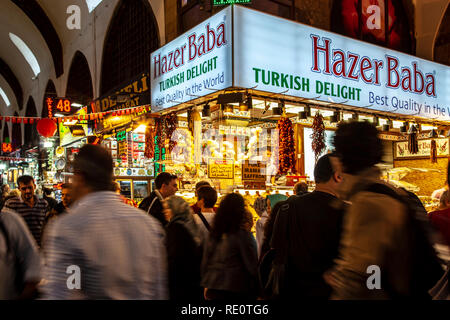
(318, 135)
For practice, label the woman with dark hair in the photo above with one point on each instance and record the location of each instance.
(229, 266)
(184, 250)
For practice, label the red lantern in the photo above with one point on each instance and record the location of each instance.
(7, 119)
(25, 121)
(13, 120)
(128, 111)
(19, 120)
(46, 127)
(31, 121)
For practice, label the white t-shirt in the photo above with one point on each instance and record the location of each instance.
(209, 216)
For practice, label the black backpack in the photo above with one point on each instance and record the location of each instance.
(425, 266)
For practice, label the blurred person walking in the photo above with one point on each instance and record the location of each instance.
(166, 186)
(118, 251)
(184, 250)
(32, 209)
(20, 265)
(229, 265)
(381, 231)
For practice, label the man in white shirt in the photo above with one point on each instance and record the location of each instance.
(104, 248)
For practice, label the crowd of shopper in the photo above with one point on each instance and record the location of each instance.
(323, 244)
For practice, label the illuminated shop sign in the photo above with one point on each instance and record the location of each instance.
(277, 55)
(195, 64)
(225, 2)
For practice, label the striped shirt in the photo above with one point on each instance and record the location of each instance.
(119, 250)
(33, 216)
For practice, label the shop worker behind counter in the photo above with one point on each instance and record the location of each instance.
(166, 186)
(119, 251)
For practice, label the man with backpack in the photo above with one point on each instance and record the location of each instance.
(307, 232)
(384, 250)
(20, 265)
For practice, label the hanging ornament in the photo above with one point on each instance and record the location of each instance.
(287, 146)
(318, 135)
(413, 143)
(46, 127)
(433, 155)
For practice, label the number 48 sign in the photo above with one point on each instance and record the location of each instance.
(63, 105)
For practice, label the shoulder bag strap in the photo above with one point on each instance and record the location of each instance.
(205, 222)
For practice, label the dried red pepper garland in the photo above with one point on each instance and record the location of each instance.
(433, 151)
(318, 135)
(287, 146)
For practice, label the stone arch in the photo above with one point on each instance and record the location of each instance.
(79, 84)
(30, 132)
(16, 141)
(132, 36)
(441, 52)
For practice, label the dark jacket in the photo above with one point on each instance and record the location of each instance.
(311, 233)
(184, 257)
(230, 264)
(156, 209)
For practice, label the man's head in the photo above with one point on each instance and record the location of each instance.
(328, 172)
(300, 188)
(66, 194)
(166, 184)
(200, 184)
(93, 171)
(27, 187)
(358, 146)
(207, 197)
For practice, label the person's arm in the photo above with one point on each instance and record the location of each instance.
(25, 248)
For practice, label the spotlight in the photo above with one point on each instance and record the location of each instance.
(388, 125)
(376, 121)
(249, 102)
(336, 117)
(404, 128)
(412, 129)
(277, 111)
(433, 134)
(206, 112)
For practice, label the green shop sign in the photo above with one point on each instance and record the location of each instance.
(225, 2)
